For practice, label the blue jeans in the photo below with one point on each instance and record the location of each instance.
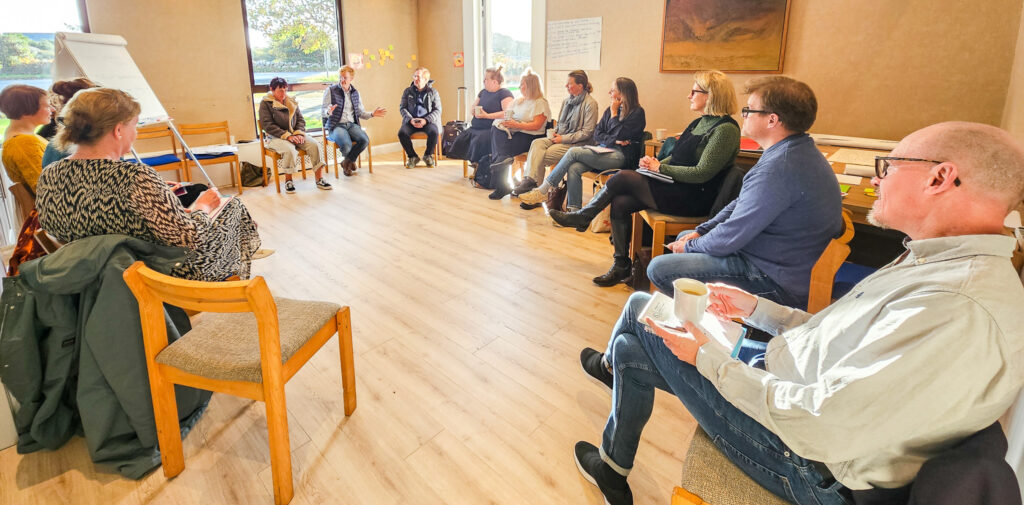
(734, 270)
(641, 363)
(575, 163)
(351, 139)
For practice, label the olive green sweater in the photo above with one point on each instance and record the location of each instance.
(721, 149)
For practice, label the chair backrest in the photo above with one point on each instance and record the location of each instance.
(152, 289)
(731, 185)
(47, 241)
(158, 131)
(25, 199)
(206, 129)
(824, 272)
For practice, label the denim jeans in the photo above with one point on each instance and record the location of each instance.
(733, 270)
(351, 139)
(575, 163)
(641, 363)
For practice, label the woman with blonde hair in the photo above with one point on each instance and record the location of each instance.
(697, 164)
(474, 144)
(525, 121)
(93, 192)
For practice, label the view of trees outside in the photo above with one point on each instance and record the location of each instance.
(510, 38)
(298, 41)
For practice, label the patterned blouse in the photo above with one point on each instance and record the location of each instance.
(82, 198)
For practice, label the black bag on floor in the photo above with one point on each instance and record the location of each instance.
(638, 280)
(252, 175)
(452, 129)
(482, 175)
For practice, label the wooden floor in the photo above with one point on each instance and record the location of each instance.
(468, 318)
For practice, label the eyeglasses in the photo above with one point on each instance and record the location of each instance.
(695, 91)
(746, 111)
(883, 163)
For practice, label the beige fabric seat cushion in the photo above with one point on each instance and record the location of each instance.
(670, 219)
(227, 346)
(710, 475)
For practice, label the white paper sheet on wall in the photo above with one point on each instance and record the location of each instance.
(574, 44)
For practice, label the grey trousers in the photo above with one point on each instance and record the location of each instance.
(288, 152)
(543, 152)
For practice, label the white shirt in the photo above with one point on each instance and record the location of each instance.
(918, 356)
(525, 110)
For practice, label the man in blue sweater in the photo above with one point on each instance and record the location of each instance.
(768, 239)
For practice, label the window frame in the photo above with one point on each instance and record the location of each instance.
(263, 88)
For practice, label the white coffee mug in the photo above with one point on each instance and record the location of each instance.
(660, 133)
(691, 299)
(550, 133)
(479, 110)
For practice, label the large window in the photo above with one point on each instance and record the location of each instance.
(300, 41)
(508, 41)
(26, 40)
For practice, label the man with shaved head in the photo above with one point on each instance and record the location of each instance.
(854, 399)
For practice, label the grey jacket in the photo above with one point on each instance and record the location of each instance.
(585, 133)
(70, 336)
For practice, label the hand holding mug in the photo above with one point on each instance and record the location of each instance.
(330, 110)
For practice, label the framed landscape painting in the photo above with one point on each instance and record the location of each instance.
(727, 35)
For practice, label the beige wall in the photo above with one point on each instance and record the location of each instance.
(880, 68)
(372, 26)
(1013, 112)
(192, 53)
(440, 35)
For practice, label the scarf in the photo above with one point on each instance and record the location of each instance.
(569, 118)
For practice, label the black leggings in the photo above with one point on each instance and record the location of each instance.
(630, 193)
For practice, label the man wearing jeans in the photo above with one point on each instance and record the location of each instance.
(343, 109)
(917, 357)
(789, 208)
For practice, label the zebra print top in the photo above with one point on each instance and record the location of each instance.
(81, 198)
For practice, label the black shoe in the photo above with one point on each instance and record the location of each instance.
(593, 364)
(498, 193)
(620, 271)
(412, 161)
(577, 219)
(289, 187)
(613, 486)
(429, 160)
(526, 206)
(525, 185)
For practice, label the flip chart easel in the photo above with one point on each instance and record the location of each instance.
(104, 59)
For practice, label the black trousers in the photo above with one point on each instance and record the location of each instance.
(405, 134)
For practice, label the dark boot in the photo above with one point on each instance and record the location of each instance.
(581, 219)
(499, 178)
(622, 267)
(526, 185)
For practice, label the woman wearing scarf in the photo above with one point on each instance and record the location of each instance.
(698, 164)
(576, 123)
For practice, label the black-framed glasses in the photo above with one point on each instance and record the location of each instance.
(694, 91)
(746, 111)
(883, 163)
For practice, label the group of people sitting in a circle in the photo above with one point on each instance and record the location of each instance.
(845, 405)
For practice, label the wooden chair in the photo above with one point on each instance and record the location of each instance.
(25, 200)
(437, 147)
(213, 129)
(665, 224)
(48, 242)
(275, 157)
(330, 145)
(824, 272)
(250, 348)
(160, 131)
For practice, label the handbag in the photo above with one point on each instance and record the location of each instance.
(602, 223)
(556, 197)
(638, 279)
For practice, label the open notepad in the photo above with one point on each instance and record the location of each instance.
(727, 334)
(224, 201)
(655, 175)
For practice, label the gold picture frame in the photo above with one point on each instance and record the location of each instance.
(746, 36)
